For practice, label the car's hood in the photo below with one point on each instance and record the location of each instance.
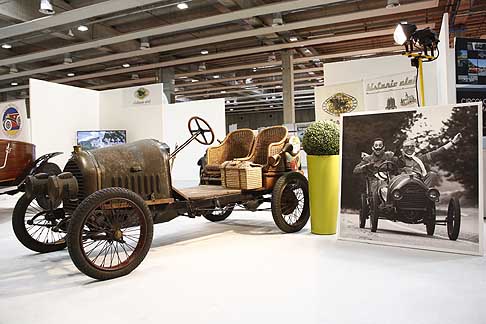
(401, 180)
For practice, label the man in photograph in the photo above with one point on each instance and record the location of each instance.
(410, 162)
(369, 163)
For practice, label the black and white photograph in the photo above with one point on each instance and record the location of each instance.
(411, 178)
(90, 140)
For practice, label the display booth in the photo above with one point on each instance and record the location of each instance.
(59, 112)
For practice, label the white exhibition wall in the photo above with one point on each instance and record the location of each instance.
(57, 112)
(141, 118)
(175, 131)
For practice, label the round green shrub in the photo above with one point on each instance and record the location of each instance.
(321, 138)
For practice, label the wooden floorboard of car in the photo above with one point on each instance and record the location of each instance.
(206, 191)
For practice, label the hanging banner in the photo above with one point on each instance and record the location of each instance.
(15, 125)
(391, 92)
(146, 95)
(333, 100)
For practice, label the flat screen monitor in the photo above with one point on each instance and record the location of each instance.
(89, 140)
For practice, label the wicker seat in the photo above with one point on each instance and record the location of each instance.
(269, 142)
(236, 144)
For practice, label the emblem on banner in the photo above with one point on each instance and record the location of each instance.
(11, 121)
(339, 103)
(141, 93)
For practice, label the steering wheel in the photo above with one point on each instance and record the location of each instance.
(387, 167)
(199, 125)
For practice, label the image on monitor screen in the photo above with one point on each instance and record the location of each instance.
(89, 140)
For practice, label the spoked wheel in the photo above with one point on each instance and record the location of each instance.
(430, 221)
(363, 212)
(39, 229)
(110, 233)
(290, 202)
(453, 219)
(375, 212)
(219, 214)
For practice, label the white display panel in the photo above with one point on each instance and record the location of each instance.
(175, 131)
(140, 117)
(57, 112)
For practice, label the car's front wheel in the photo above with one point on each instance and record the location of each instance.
(363, 212)
(375, 212)
(430, 221)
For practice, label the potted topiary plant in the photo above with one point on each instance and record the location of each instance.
(321, 143)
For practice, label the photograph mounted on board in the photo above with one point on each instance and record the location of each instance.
(412, 178)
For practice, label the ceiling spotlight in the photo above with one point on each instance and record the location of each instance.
(6, 46)
(13, 69)
(70, 74)
(194, 80)
(70, 33)
(202, 67)
(14, 84)
(68, 58)
(293, 39)
(182, 6)
(222, 91)
(231, 109)
(216, 76)
(277, 19)
(308, 51)
(134, 76)
(126, 65)
(392, 4)
(204, 52)
(46, 8)
(83, 28)
(144, 43)
(311, 73)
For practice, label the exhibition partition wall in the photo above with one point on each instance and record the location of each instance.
(57, 112)
(175, 131)
(138, 110)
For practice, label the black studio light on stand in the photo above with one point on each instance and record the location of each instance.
(420, 46)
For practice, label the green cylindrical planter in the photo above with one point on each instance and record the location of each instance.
(324, 192)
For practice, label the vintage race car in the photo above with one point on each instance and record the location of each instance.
(103, 206)
(406, 198)
(12, 121)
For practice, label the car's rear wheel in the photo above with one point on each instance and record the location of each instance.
(453, 219)
(375, 212)
(363, 212)
(430, 221)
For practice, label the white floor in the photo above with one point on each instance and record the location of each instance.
(244, 271)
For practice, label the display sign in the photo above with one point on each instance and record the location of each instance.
(333, 100)
(469, 95)
(413, 178)
(391, 92)
(470, 61)
(147, 95)
(15, 125)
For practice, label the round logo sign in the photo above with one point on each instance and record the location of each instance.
(11, 121)
(141, 93)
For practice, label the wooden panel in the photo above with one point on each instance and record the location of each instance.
(21, 157)
(206, 192)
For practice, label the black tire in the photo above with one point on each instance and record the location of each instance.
(285, 202)
(37, 236)
(375, 212)
(430, 221)
(220, 214)
(453, 219)
(363, 212)
(51, 169)
(90, 218)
